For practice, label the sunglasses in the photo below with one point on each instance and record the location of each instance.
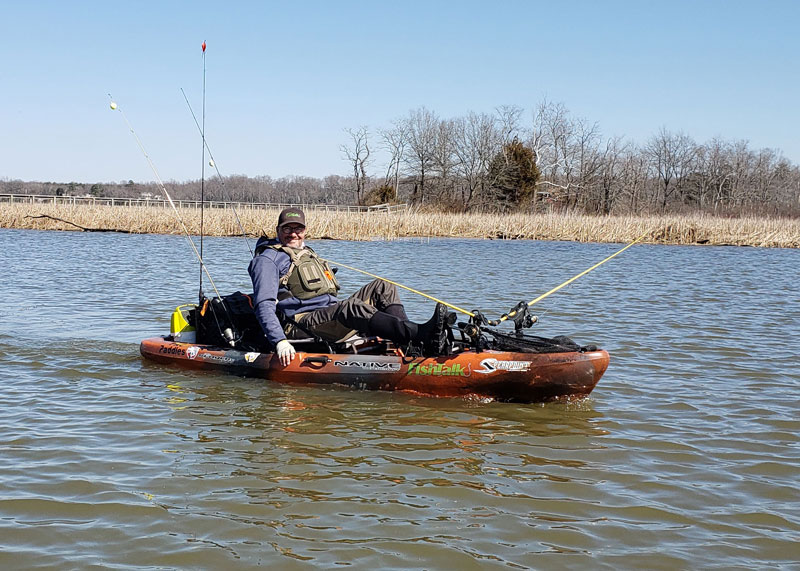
(293, 229)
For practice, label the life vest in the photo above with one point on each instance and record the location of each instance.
(308, 275)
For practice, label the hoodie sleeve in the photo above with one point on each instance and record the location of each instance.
(266, 277)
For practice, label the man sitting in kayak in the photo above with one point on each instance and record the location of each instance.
(289, 276)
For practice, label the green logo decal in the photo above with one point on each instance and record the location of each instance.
(437, 370)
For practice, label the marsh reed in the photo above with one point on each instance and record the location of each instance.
(669, 229)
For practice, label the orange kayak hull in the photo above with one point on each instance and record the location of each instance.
(497, 375)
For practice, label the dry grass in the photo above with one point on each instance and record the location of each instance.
(694, 229)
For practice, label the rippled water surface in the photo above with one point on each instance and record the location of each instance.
(686, 455)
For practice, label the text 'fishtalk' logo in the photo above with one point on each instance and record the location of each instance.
(437, 370)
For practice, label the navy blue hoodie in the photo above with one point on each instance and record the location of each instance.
(266, 269)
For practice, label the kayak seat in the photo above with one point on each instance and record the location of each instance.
(331, 337)
(331, 332)
(354, 343)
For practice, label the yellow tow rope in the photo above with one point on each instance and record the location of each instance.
(508, 315)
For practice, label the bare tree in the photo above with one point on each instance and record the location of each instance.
(337, 188)
(587, 157)
(552, 140)
(549, 139)
(633, 178)
(670, 156)
(509, 121)
(610, 171)
(766, 171)
(422, 126)
(444, 160)
(567, 152)
(477, 139)
(714, 173)
(357, 154)
(394, 141)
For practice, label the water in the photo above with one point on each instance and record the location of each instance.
(686, 455)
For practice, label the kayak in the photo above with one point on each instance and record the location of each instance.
(506, 376)
(478, 361)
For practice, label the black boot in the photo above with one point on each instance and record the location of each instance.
(432, 334)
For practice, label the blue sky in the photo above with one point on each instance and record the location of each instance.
(283, 80)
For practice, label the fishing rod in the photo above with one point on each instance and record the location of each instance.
(228, 332)
(505, 316)
(513, 313)
(115, 107)
(202, 174)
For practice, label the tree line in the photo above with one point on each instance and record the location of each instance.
(548, 159)
(510, 160)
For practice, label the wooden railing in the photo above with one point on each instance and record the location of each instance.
(160, 202)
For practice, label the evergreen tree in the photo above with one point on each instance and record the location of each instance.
(513, 175)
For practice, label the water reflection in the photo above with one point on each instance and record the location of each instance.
(312, 437)
(348, 470)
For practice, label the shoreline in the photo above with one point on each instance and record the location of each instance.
(692, 229)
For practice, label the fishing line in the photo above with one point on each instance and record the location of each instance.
(450, 305)
(213, 163)
(507, 315)
(116, 107)
(572, 279)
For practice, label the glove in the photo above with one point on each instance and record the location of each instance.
(285, 352)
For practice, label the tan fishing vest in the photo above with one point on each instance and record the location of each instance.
(308, 275)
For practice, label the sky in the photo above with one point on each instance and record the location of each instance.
(284, 80)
